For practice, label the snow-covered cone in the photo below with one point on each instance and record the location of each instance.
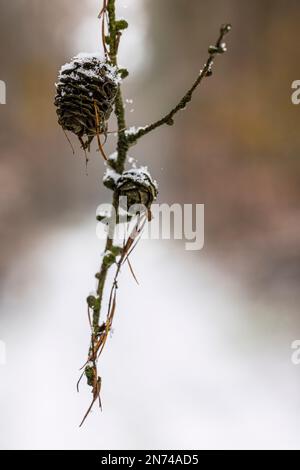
(86, 91)
(138, 186)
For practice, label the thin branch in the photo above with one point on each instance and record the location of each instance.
(114, 35)
(99, 334)
(114, 39)
(122, 146)
(213, 51)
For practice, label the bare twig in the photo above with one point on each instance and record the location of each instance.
(219, 48)
(108, 9)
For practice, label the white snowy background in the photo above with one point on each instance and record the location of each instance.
(186, 366)
(196, 360)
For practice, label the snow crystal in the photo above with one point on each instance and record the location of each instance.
(66, 67)
(131, 160)
(133, 130)
(104, 213)
(89, 55)
(111, 174)
(138, 175)
(113, 157)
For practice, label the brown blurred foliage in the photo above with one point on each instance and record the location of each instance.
(235, 149)
(39, 176)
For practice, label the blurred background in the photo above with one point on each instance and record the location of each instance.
(201, 351)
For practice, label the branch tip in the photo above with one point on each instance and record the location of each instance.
(219, 48)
